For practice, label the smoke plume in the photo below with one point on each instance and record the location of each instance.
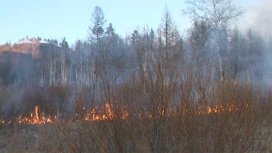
(262, 17)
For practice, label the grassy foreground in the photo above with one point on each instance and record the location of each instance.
(248, 128)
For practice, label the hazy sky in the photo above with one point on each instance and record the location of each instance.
(56, 19)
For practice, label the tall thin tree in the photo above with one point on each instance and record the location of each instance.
(218, 13)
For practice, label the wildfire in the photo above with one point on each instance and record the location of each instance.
(36, 118)
(108, 114)
(217, 109)
(90, 115)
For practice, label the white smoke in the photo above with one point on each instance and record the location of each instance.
(261, 17)
(260, 20)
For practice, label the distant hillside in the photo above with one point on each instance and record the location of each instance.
(27, 61)
(32, 47)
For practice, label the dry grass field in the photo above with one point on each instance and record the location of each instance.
(182, 127)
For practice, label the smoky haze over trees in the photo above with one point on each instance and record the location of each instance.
(154, 61)
(217, 14)
(153, 91)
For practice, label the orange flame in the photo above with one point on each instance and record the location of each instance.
(108, 114)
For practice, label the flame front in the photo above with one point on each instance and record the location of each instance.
(108, 114)
(36, 118)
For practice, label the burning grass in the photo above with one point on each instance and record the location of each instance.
(245, 130)
(108, 113)
(228, 119)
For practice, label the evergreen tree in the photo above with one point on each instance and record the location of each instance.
(97, 28)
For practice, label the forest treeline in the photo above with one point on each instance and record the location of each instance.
(153, 91)
(97, 68)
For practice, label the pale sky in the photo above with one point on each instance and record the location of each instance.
(55, 19)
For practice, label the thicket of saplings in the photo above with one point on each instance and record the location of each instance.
(167, 103)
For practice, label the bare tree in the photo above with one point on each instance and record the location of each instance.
(170, 45)
(218, 13)
(169, 34)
